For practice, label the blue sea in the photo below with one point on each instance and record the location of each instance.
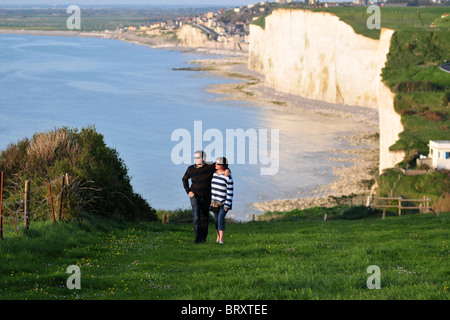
(132, 96)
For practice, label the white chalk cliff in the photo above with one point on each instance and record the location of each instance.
(317, 56)
(191, 36)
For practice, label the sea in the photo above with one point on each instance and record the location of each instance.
(156, 117)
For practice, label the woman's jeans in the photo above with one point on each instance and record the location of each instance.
(219, 219)
(200, 216)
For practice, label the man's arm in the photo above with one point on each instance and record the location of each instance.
(185, 180)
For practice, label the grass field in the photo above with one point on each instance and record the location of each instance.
(302, 257)
(395, 18)
(92, 19)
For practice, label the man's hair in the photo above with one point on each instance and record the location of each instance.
(201, 152)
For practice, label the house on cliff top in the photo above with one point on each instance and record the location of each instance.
(439, 155)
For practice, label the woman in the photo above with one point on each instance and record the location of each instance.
(221, 196)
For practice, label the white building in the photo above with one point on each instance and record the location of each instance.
(440, 154)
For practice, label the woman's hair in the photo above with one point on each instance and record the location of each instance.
(224, 162)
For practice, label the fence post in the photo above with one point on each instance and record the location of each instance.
(1, 206)
(384, 213)
(399, 206)
(51, 203)
(62, 198)
(27, 205)
(427, 204)
(165, 218)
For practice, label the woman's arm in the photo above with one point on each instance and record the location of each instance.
(229, 199)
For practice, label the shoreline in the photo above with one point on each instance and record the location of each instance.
(361, 158)
(153, 42)
(363, 154)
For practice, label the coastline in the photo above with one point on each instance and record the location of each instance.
(358, 167)
(362, 156)
(153, 42)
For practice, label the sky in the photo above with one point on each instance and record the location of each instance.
(131, 2)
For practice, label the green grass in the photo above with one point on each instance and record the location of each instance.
(302, 257)
(395, 18)
(92, 19)
(431, 185)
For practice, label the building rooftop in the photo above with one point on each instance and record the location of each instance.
(441, 143)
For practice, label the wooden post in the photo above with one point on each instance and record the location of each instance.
(27, 205)
(165, 218)
(384, 213)
(51, 203)
(62, 197)
(1, 206)
(399, 206)
(325, 217)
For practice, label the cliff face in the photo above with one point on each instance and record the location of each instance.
(317, 56)
(191, 36)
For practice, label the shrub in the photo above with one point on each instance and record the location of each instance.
(98, 178)
(413, 86)
(434, 116)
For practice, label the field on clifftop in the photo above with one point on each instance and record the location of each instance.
(295, 258)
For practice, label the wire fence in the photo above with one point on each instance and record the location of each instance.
(17, 213)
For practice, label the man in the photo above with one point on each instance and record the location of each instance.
(201, 174)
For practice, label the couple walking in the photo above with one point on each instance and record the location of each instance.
(211, 189)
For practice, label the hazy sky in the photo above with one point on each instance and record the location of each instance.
(140, 2)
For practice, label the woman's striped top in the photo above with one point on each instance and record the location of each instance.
(222, 189)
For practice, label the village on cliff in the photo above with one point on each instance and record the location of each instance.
(230, 27)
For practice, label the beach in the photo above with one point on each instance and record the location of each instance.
(356, 167)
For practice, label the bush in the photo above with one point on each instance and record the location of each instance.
(98, 178)
(413, 86)
(445, 98)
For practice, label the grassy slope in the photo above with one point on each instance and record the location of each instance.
(302, 258)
